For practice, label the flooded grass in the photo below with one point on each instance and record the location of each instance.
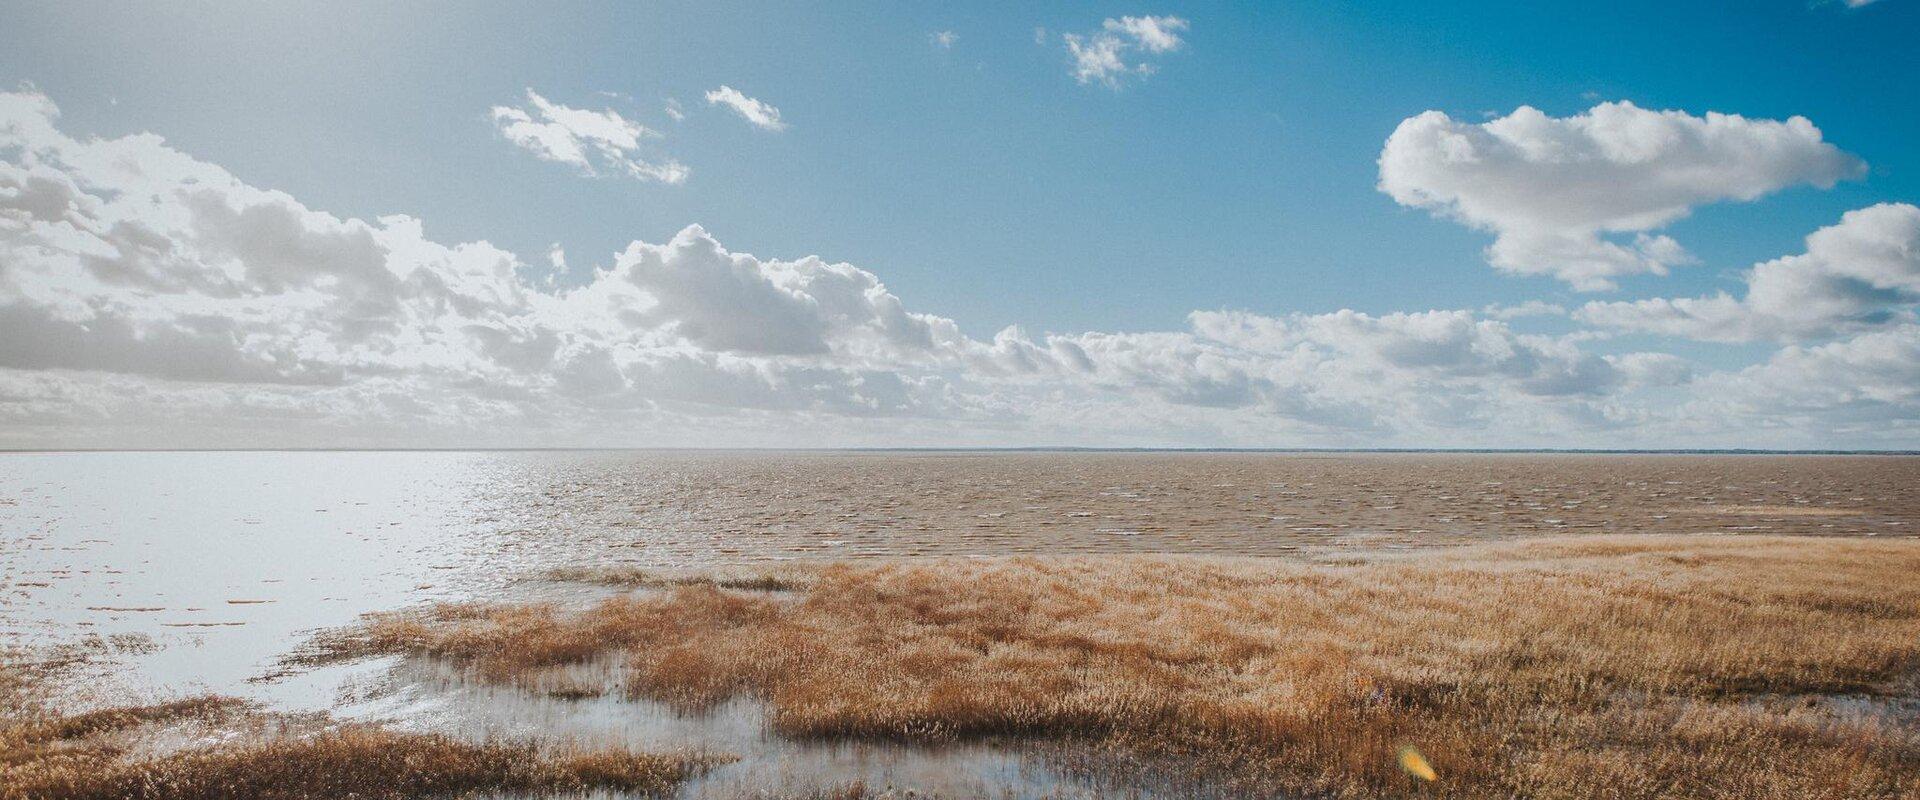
(1621, 667)
(637, 578)
(434, 694)
(46, 728)
(108, 753)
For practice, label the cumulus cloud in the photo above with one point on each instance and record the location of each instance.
(593, 142)
(1112, 54)
(759, 114)
(150, 298)
(1863, 389)
(716, 300)
(1580, 198)
(1861, 272)
(1872, 370)
(127, 256)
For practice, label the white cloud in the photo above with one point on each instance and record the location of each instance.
(1153, 34)
(125, 257)
(1864, 389)
(1430, 375)
(760, 114)
(148, 298)
(1528, 308)
(1859, 273)
(712, 299)
(1107, 56)
(591, 141)
(1879, 368)
(1096, 59)
(943, 39)
(1560, 193)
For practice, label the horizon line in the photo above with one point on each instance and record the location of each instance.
(1004, 449)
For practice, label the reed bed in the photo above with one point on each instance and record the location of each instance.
(1615, 667)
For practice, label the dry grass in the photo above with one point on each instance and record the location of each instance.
(49, 755)
(1623, 667)
(360, 762)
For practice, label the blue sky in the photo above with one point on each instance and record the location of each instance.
(980, 180)
(1241, 175)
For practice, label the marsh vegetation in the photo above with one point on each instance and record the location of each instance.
(1626, 667)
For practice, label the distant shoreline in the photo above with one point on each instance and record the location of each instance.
(1007, 450)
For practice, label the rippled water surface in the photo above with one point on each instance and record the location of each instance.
(229, 559)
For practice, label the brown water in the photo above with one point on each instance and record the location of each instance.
(682, 508)
(227, 560)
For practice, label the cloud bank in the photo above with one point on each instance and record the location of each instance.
(148, 298)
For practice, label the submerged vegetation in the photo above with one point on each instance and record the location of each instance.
(635, 578)
(1617, 667)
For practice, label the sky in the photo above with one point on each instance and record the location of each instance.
(1393, 224)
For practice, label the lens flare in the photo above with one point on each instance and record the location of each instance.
(1416, 764)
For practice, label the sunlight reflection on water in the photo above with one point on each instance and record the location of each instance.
(227, 559)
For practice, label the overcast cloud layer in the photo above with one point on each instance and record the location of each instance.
(148, 298)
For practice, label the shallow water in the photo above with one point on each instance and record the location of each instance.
(425, 696)
(420, 694)
(228, 560)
